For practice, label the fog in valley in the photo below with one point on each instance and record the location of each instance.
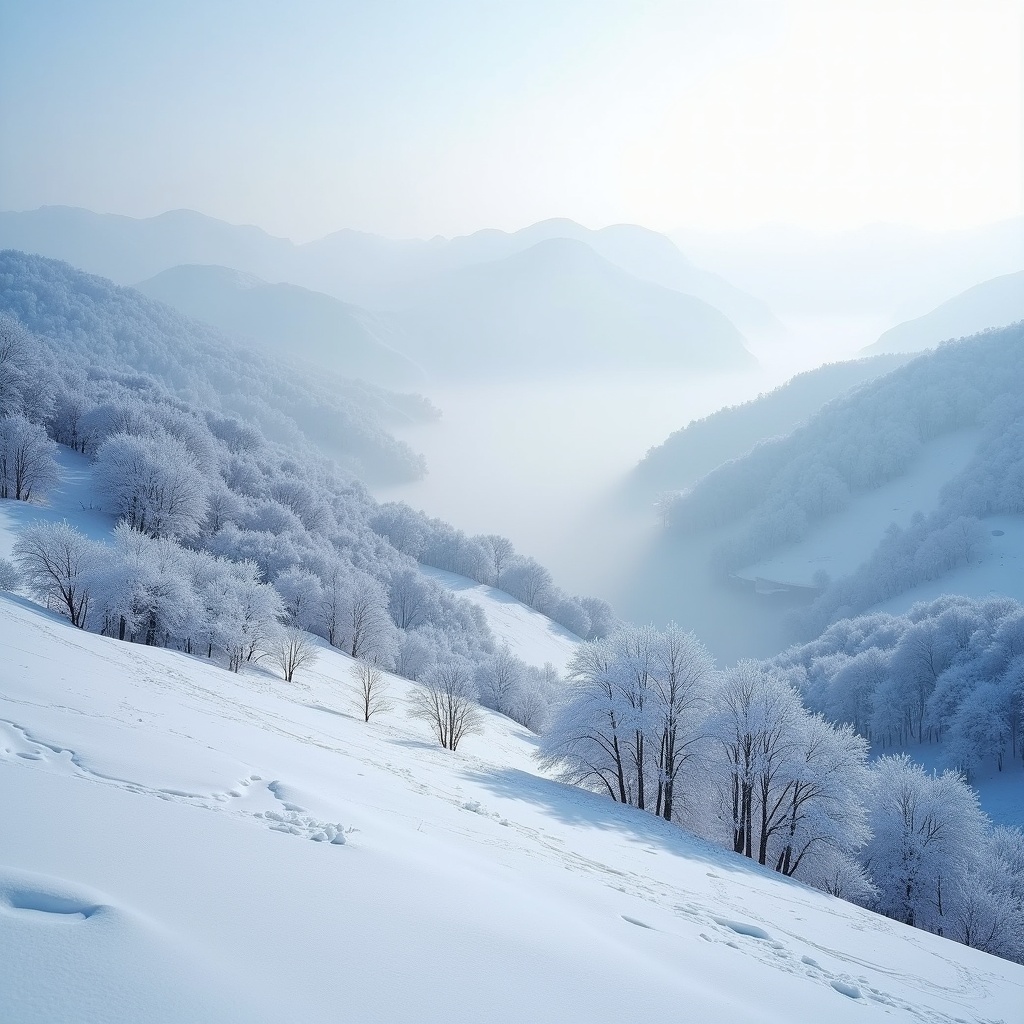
(552, 460)
(547, 476)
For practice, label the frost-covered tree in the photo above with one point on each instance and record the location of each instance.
(403, 526)
(10, 578)
(144, 590)
(538, 691)
(152, 483)
(409, 597)
(415, 654)
(681, 676)
(586, 740)
(755, 724)
(926, 831)
(500, 552)
(528, 580)
(825, 816)
(603, 621)
(365, 629)
(27, 380)
(302, 595)
(250, 615)
(28, 463)
(57, 564)
(499, 681)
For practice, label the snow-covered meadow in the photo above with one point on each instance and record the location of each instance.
(172, 853)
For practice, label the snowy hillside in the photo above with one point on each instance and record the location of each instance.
(97, 323)
(696, 449)
(246, 849)
(164, 814)
(287, 320)
(841, 542)
(531, 636)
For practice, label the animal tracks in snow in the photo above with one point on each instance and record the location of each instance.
(272, 804)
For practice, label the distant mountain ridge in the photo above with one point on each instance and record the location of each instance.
(888, 270)
(123, 330)
(995, 303)
(354, 266)
(559, 306)
(288, 320)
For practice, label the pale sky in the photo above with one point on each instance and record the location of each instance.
(422, 117)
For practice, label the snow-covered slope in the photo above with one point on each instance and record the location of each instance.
(74, 498)
(839, 543)
(530, 636)
(287, 320)
(171, 852)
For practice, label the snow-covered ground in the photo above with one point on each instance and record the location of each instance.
(181, 844)
(531, 636)
(73, 499)
(170, 852)
(842, 542)
(999, 572)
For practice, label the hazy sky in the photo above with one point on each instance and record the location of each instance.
(416, 117)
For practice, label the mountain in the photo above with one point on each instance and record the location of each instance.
(288, 320)
(903, 488)
(95, 320)
(702, 445)
(993, 303)
(353, 266)
(559, 306)
(128, 249)
(639, 251)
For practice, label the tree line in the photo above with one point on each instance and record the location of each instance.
(735, 756)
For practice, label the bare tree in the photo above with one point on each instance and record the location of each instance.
(371, 693)
(294, 650)
(446, 700)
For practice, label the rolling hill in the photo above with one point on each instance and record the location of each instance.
(353, 266)
(558, 306)
(994, 303)
(696, 449)
(191, 844)
(287, 320)
(93, 319)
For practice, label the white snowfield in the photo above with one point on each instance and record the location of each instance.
(530, 636)
(180, 844)
(999, 572)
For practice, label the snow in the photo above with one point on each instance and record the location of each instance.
(159, 813)
(73, 499)
(531, 636)
(840, 543)
(181, 843)
(999, 572)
